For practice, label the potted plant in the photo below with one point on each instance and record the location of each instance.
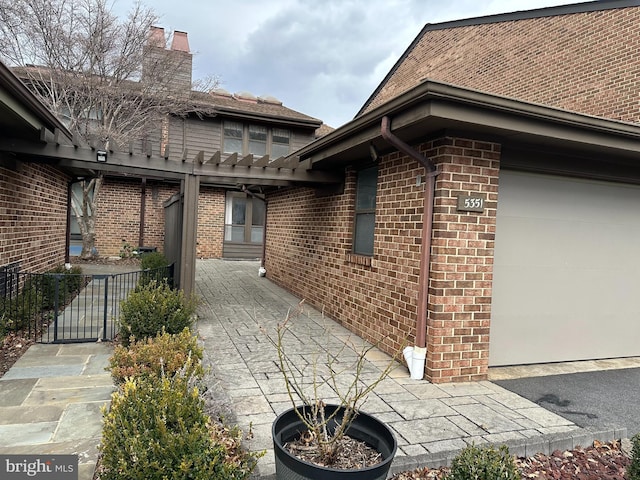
(316, 440)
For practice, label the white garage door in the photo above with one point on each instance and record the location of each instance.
(567, 270)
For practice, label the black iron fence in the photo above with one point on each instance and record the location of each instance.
(65, 307)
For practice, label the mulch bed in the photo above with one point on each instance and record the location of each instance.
(601, 461)
(12, 348)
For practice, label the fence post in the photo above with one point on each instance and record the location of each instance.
(106, 305)
(56, 292)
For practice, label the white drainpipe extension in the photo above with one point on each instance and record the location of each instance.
(415, 358)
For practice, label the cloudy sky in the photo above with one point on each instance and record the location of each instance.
(319, 57)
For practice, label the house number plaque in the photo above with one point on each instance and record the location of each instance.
(471, 203)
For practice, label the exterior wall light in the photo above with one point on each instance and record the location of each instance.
(101, 155)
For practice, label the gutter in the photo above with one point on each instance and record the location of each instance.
(415, 356)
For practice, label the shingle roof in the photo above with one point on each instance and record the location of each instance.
(243, 103)
(396, 82)
(222, 102)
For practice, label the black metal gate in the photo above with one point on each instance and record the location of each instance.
(67, 308)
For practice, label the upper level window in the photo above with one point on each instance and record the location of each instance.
(280, 140)
(365, 211)
(258, 140)
(232, 137)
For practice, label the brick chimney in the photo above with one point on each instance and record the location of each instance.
(156, 37)
(177, 60)
(180, 42)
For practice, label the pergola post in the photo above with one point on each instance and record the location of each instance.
(189, 233)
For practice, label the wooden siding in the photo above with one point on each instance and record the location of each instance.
(206, 135)
(176, 138)
(300, 138)
(242, 250)
(200, 137)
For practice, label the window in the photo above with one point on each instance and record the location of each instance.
(77, 195)
(365, 211)
(258, 140)
(280, 143)
(244, 219)
(232, 137)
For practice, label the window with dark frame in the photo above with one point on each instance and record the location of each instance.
(232, 141)
(280, 140)
(258, 140)
(365, 211)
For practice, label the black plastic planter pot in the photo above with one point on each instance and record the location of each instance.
(364, 428)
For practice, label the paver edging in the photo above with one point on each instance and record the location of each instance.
(544, 444)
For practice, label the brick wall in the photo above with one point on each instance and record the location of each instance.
(584, 62)
(118, 214)
(118, 217)
(210, 222)
(33, 216)
(309, 242)
(462, 261)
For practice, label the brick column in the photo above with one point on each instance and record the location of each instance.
(462, 260)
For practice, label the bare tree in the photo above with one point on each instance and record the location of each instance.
(108, 79)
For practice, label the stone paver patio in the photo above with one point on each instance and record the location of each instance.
(431, 422)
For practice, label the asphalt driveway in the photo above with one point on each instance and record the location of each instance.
(601, 399)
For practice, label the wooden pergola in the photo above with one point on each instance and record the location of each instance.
(59, 149)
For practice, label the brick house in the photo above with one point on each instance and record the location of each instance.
(489, 205)
(33, 197)
(231, 222)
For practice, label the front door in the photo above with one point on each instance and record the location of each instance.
(244, 226)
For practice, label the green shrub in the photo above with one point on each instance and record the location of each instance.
(3, 328)
(633, 471)
(152, 307)
(153, 265)
(164, 354)
(30, 308)
(70, 282)
(483, 463)
(22, 310)
(158, 430)
(153, 260)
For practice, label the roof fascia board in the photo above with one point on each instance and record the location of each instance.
(23, 95)
(585, 7)
(313, 124)
(20, 110)
(515, 125)
(407, 108)
(530, 110)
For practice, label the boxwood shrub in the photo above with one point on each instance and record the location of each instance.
(153, 307)
(153, 267)
(158, 430)
(152, 358)
(484, 462)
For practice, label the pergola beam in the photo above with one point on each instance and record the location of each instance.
(72, 157)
